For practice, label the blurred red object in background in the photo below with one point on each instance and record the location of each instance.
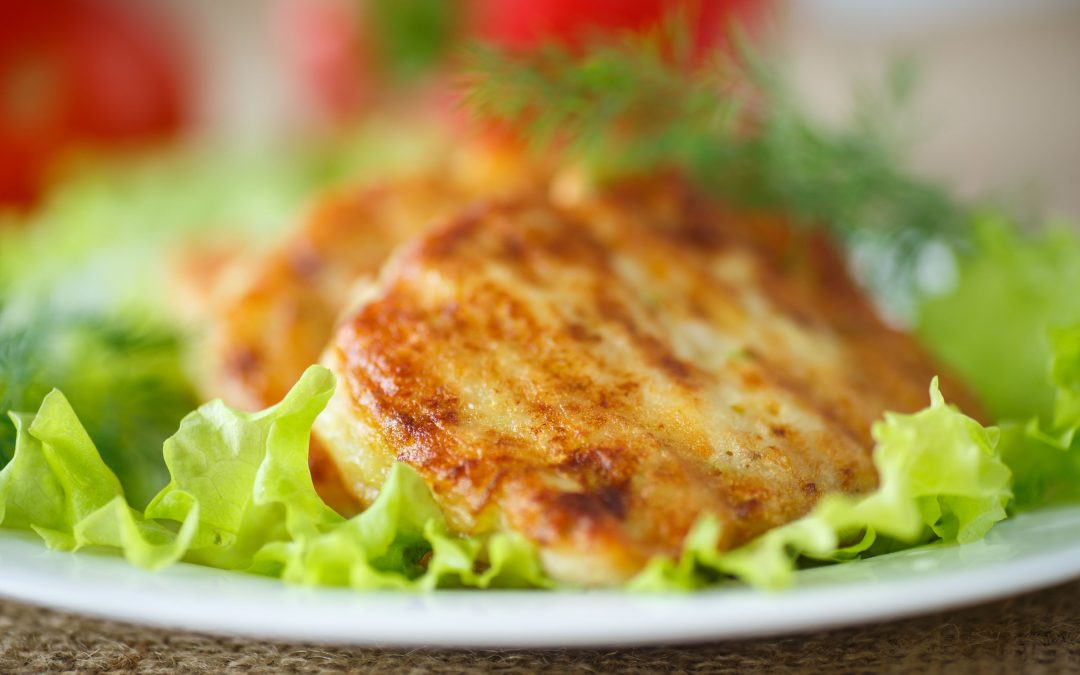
(81, 72)
(333, 46)
(323, 44)
(526, 24)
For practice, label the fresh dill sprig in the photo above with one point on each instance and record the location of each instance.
(733, 125)
(123, 375)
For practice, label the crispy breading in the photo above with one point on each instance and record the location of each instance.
(597, 377)
(271, 317)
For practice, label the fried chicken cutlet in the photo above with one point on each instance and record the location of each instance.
(598, 377)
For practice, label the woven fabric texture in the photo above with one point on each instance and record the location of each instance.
(1038, 632)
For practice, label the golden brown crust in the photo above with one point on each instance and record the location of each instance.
(271, 318)
(277, 321)
(598, 377)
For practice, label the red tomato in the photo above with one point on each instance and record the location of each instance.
(324, 49)
(80, 72)
(525, 24)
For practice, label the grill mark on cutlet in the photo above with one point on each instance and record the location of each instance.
(390, 375)
(600, 465)
(767, 371)
(443, 243)
(655, 351)
(844, 469)
(563, 366)
(579, 332)
(478, 479)
(592, 508)
(504, 316)
(703, 229)
(842, 310)
(396, 382)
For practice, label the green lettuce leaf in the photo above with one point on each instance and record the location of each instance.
(991, 327)
(941, 478)
(58, 486)
(241, 498)
(1003, 321)
(1045, 456)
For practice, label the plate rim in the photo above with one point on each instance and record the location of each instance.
(478, 619)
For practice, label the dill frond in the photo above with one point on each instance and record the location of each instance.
(122, 374)
(732, 124)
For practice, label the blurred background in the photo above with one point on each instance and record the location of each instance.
(995, 113)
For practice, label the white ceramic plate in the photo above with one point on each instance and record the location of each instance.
(1024, 553)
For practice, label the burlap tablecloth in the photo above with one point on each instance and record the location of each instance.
(1038, 632)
